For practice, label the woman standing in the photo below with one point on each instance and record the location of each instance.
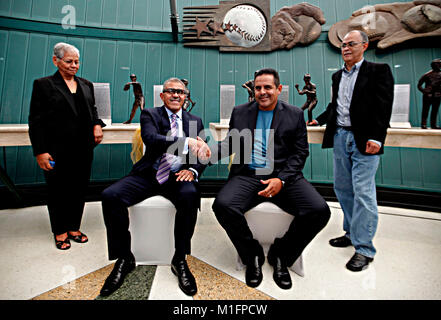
(64, 128)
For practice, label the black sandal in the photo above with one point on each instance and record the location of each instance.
(78, 238)
(59, 243)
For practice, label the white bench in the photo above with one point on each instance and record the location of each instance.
(152, 228)
(267, 222)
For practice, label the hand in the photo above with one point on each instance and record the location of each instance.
(366, 10)
(297, 86)
(193, 145)
(427, 90)
(372, 147)
(184, 175)
(273, 188)
(199, 148)
(98, 134)
(43, 161)
(204, 152)
(312, 123)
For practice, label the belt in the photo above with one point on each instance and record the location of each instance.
(349, 128)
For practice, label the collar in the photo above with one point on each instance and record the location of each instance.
(355, 67)
(178, 114)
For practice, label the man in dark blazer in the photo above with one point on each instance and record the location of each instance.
(64, 128)
(357, 120)
(269, 140)
(166, 169)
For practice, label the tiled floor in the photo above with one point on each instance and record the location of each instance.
(407, 265)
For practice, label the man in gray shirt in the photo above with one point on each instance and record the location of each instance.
(357, 120)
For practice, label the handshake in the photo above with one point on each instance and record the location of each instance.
(312, 123)
(199, 148)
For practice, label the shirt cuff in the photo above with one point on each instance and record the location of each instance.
(185, 151)
(377, 142)
(99, 122)
(195, 173)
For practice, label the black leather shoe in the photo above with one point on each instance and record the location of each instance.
(123, 267)
(340, 242)
(187, 283)
(281, 274)
(358, 262)
(253, 274)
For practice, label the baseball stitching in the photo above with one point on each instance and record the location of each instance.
(246, 35)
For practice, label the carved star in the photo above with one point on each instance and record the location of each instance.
(228, 26)
(200, 26)
(216, 27)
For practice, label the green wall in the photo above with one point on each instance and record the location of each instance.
(117, 37)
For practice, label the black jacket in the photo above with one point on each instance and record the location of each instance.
(289, 142)
(54, 122)
(155, 125)
(370, 109)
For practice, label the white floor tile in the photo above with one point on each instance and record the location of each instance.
(165, 286)
(406, 265)
(31, 264)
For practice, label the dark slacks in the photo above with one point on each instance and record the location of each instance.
(67, 184)
(427, 102)
(298, 198)
(137, 187)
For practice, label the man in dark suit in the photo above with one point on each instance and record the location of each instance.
(357, 120)
(269, 140)
(64, 128)
(166, 169)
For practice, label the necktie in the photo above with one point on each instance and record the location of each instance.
(167, 159)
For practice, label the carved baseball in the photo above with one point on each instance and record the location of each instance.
(245, 26)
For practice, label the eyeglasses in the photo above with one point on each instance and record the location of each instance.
(77, 62)
(350, 44)
(173, 91)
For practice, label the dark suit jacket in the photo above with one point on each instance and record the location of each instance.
(370, 109)
(155, 125)
(53, 119)
(289, 142)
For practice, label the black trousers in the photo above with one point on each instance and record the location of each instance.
(427, 102)
(298, 198)
(67, 184)
(135, 188)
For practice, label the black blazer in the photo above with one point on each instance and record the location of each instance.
(370, 109)
(289, 142)
(53, 119)
(155, 125)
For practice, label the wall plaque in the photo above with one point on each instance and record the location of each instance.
(247, 26)
(157, 101)
(102, 101)
(227, 101)
(400, 107)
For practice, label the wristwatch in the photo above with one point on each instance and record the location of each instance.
(283, 182)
